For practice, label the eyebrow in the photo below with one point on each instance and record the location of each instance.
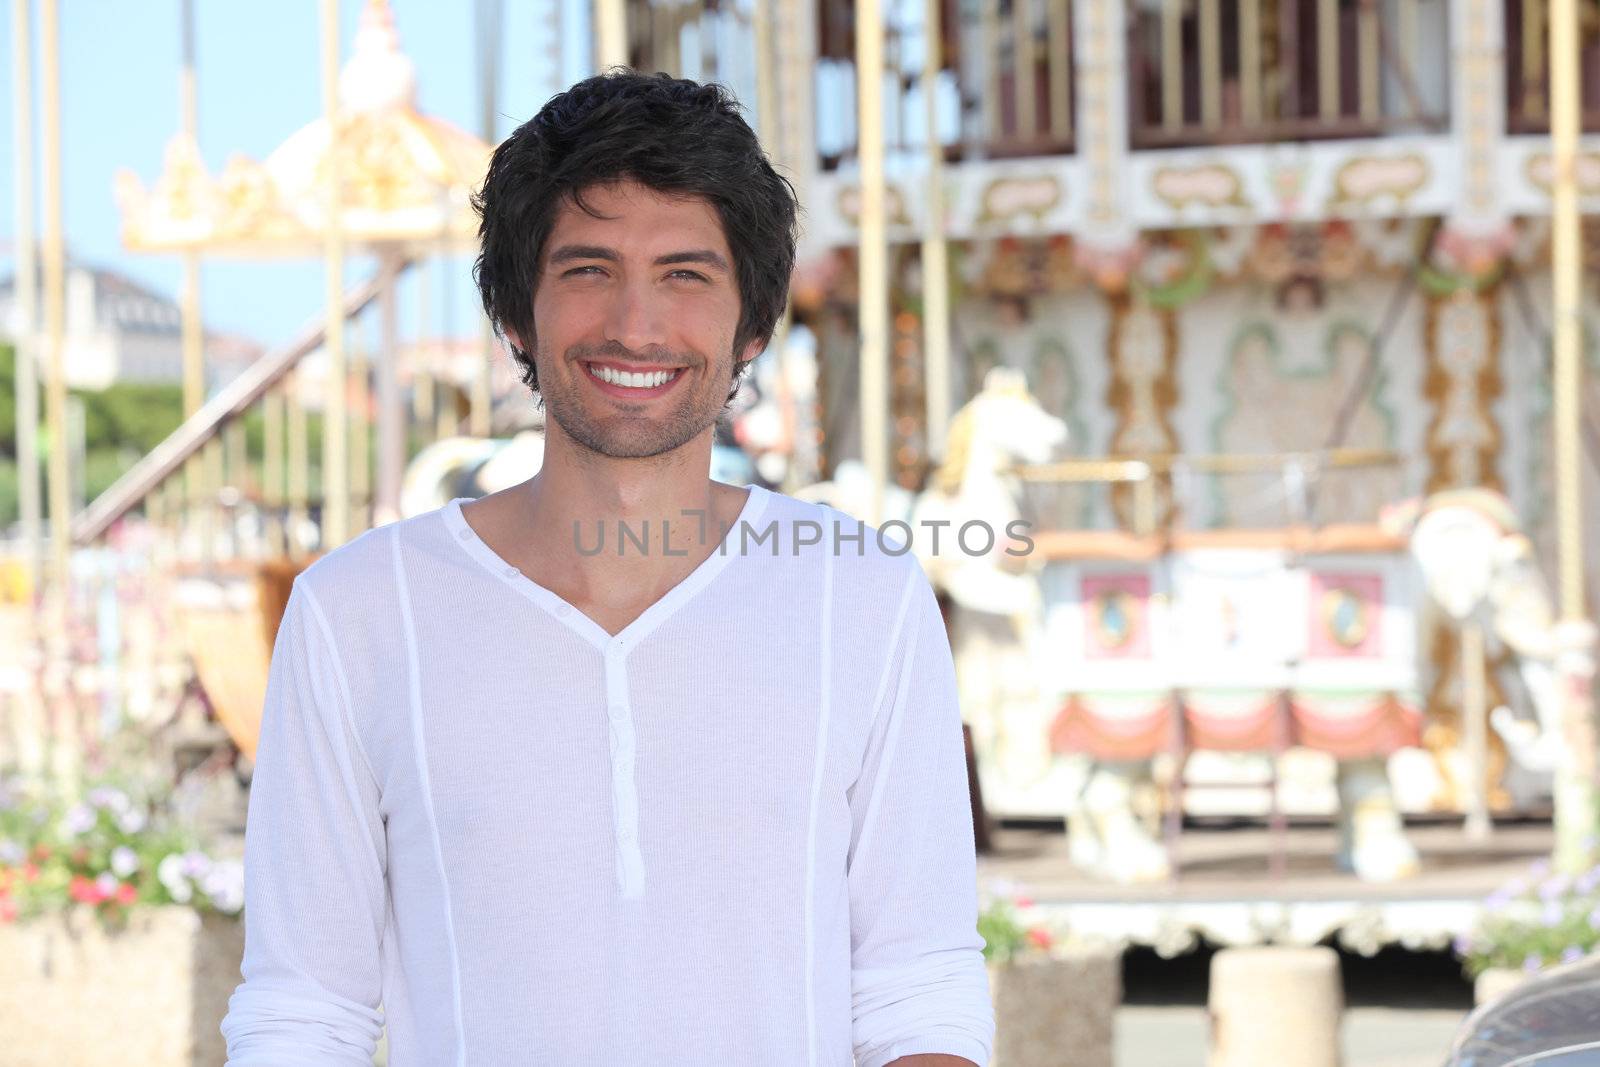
(568, 253)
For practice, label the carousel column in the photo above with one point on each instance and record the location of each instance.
(299, 462)
(1576, 793)
(203, 472)
(768, 124)
(361, 437)
(60, 758)
(391, 406)
(935, 249)
(873, 255)
(335, 466)
(489, 35)
(27, 298)
(272, 469)
(610, 34)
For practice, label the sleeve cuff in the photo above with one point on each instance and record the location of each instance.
(946, 1043)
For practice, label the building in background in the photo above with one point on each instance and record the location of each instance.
(118, 330)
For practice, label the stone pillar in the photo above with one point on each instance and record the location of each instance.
(1277, 1005)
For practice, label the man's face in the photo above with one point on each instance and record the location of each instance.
(644, 297)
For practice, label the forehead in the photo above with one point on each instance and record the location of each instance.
(636, 218)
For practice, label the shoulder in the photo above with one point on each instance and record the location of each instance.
(361, 568)
(868, 560)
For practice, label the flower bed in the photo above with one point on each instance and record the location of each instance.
(120, 935)
(1535, 921)
(1055, 996)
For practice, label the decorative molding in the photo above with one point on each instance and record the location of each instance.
(1007, 198)
(1213, 185)
(1367, 180)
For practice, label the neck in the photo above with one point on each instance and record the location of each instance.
(668, 501)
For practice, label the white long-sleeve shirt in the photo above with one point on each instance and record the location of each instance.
(736, 832)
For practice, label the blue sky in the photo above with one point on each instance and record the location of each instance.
(258, 71)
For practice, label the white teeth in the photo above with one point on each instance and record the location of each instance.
(632, 380)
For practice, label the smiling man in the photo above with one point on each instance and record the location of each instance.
(620, 765)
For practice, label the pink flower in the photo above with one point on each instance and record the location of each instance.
(83, 890)
(1023, 901)
(8, 911)
(1040, 937)
(126, 893)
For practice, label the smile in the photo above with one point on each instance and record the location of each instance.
(634, 382)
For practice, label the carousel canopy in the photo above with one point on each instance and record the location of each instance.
(405, 178)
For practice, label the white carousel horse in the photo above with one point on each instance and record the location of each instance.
(1478, 566)
(468, 466)
(996, 627)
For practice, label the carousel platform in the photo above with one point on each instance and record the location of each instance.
(1224, 893)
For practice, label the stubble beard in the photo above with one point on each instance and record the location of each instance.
(627, 435)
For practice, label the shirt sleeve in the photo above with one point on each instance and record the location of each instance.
(314, 868)
(919, 984)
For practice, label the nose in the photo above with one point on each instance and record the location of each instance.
(635, 316)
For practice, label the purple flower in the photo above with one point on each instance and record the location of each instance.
(1538, 868)
(124, 861)
(1553, 912)
(1572, 955)
(106, 883)
(79, 820)
(1588, 881)
(1594, 919)
(1463, 945)
(1497, 900)
(1554, 886)
(1532, 963)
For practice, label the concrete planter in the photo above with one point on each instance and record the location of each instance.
(1496, 981)
(150, 995)
(1056, 1009)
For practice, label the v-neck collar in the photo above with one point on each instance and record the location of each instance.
(462, 533)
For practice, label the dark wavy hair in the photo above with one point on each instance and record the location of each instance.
(672, 135)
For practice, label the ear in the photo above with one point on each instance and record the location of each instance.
(752, 350)
(515, 339)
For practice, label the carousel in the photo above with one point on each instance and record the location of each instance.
(377, 178)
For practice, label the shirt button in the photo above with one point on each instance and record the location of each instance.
(465, 535)
(511, 572)
(626, 836)
(562, 610)
(618, 712)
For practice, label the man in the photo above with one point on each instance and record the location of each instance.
(620, 765)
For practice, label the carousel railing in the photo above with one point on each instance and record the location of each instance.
(231, 505)
(1527, 35)
(1004, 87)
(1205, 72)
(1150, 500)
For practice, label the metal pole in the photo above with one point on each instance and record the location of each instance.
(873, 252)
(935, 250)
(1575, 788)
(54, 255)
(27, 295)
(335, 432)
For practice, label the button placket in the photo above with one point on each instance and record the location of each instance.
(624, 798)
